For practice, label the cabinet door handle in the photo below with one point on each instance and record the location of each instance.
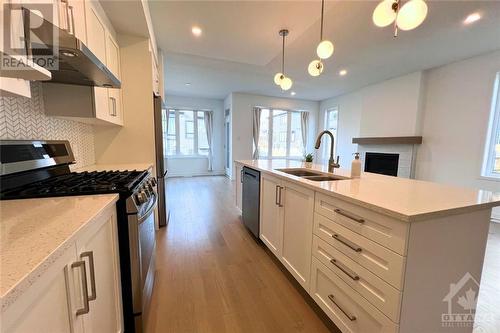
(344, 269)
(241, 176)
(347, 243)
(276, 195)
(332, 299)
(281, 197)
(349, 216)
(90, 255)
(83, 275)
(72, 19)
(112, 112)
(65, 2)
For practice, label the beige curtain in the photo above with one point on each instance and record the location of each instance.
(304, 127)
(256, 130)
(209, 128)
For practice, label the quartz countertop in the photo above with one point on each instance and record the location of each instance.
(35, 232)
(400, 198)
(115, 167)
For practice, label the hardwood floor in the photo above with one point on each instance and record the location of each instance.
(212, 276)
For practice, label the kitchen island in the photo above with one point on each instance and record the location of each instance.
(378, 253)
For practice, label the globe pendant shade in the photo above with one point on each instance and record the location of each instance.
(383, 15)
(286, 83)
(278, 78)
(412, 14)
(325, 49)
(315, 68)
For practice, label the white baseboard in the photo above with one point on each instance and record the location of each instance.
(198, 174)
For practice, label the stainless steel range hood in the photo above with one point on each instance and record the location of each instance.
(75, 63)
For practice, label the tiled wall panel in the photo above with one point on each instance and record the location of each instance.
(24, 118)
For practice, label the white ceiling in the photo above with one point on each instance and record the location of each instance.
(240, 49)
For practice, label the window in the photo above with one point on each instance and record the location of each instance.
(331, 122)
(491, 167)
(280, 134)
(184, 133)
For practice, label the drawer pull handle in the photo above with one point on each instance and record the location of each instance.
(276, 195)
(83, 275)
(347, 243)
(344, 269)
(90, 255)
(332, 299)
(349, 216)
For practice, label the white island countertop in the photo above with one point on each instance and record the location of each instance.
(401, 198)
(35, 232)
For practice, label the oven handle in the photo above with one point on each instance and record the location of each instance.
(150, 210)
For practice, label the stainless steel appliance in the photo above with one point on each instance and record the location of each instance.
(35, 169)
(161, 171)
(76, 63)
(250, 199)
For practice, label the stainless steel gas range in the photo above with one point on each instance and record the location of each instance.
(39, 168)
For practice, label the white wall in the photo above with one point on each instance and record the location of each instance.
(456, 108)
(192, 166)
(389, 108)
(241, 113)
(228, 104)
(448, 105)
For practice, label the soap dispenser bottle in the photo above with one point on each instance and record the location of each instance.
(356, 166)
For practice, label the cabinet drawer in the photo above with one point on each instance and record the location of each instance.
(384, 230)
(378, 292)
(381, 261)
(348, 309)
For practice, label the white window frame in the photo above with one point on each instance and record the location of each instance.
(326, 151)
(177, 133)
(288, 134)
(493, 128)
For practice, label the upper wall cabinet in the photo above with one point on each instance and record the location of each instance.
(96, 31)
(112, 55)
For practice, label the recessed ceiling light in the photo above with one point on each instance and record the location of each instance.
(188, 84)
(342, 72)
(472, 18)
(292, 93)
(196, 31)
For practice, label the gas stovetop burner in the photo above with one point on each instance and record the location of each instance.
(74, 183)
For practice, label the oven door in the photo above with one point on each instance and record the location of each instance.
(142, 249)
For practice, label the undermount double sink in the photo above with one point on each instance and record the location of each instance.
(310, 175)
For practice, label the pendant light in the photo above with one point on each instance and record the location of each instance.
(325, 47)
(281, 79)
(405, 17)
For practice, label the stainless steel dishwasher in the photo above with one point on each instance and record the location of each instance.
(250, 205)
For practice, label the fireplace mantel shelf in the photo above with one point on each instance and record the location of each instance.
(389, 140)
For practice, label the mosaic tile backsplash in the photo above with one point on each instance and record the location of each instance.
(24, 118)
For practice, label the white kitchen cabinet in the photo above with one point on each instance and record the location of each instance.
(14, 82)
(96, 31)
(270, 213)
(286, 225)
(56, 301)
(51, 303)
(112, 55)
(77, 19)
(238, 184)
(98, 247)
(92, 105)
(298, 211)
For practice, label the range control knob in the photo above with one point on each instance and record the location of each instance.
(153, 181)
(142, 196)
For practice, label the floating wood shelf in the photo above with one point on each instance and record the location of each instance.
(389, 140)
